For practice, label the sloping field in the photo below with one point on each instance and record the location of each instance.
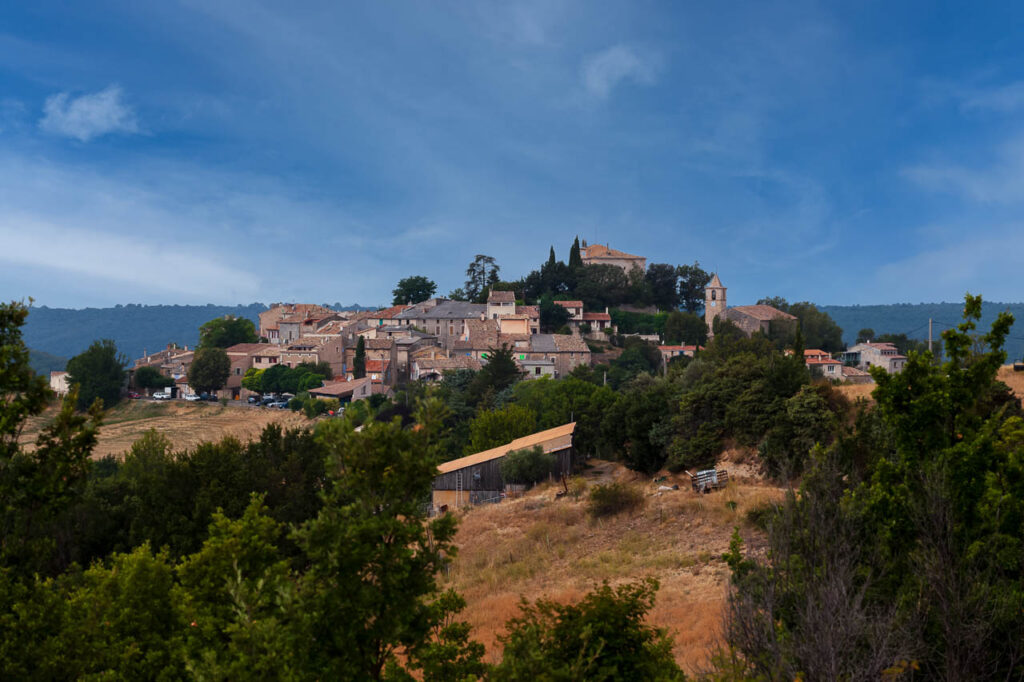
(538, 546)
(1015, 380)
(185, 424)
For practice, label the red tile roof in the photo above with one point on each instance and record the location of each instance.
(763, 312)
(587, 317)
(570, 304)
(602, 251)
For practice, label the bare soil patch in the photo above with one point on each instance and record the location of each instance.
(539, 546)
(185, 424)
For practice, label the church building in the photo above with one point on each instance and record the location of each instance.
(749, 318)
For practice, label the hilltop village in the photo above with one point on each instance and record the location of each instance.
(420, 341)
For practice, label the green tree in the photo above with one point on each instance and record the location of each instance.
(922, 507)
(99, 372)
(685, 328)
(359, 361)
(662, 280)
(224, 332)
(603, 637)
(865, 335)
(552, 315)
(527, 466)
(575, 259)
(253, 380)
(150, 377)
(36, 487)
(692, 282)
(414, 289)
(819, 329)
(500, 372)
(492, 428)
(209, 370)
(480, 274)
(370, 592)
(601, 286)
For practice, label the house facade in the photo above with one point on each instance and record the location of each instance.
(603, 254)
(867, 355)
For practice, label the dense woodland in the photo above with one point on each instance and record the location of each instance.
(307, 554)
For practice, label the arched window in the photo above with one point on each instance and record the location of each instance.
(714, 295)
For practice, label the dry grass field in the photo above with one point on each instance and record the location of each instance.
(1015, 380)
(538, 546)
(185, 424)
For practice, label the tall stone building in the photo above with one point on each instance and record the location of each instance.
(714, 301)
(749, 318)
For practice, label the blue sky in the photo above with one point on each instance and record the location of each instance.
(202, 151)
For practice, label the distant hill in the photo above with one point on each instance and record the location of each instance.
(66, 332)
(43, 363)
(912, 319)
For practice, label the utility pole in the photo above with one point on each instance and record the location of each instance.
(929, 335)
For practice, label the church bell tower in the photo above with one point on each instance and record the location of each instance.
(714, 302)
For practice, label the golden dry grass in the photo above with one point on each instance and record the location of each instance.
(541, 547)
(185, 424)
(855, 391)
(1015, 380)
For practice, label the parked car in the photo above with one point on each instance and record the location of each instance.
(267, 399)
(279, 404)
(192, 398)
(133, 395)
(253, 399)
(161, 396)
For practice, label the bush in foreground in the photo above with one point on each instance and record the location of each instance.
(613, 498)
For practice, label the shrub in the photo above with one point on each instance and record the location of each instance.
(613, 498)
(314, 408)
(527, 466)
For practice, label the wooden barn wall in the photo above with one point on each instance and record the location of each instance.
(487, 475)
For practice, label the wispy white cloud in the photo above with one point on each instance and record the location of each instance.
(175, 269)
(603, 71)
(1000, 181)
(979, 260)
(1004, 99)
(88, 116)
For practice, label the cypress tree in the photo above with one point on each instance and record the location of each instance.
(575, 260)
(359, 362)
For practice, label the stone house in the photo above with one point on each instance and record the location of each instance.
(59, 383)
(295, 316)
(500, 303)
(749, 318)
(603, 254)
(446, 320)
(867, 355)
(668, 353)
(433, 368)
(344, 391)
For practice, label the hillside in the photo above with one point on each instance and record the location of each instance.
(912, 319)
(65, 332)
(538, 546)
(185, 424)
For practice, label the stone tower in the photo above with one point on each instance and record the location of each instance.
(714, 302)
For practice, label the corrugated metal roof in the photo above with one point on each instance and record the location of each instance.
(523, 443)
